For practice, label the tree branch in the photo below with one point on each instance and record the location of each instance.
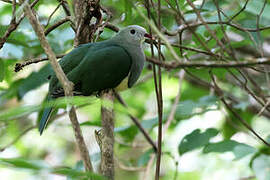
(220, 94)
(107, 141)
(20, 66)
(66, 84)
(57, 24)
(137, 123)
(210, 64)
(13, 25)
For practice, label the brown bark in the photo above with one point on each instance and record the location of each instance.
(107, 141)
(66, 84)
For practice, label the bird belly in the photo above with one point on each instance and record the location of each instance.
(123, 85)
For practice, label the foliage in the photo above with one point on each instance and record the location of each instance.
(202, 126)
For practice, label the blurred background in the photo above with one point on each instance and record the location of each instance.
(203, 137)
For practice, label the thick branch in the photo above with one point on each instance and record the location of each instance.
(107, 142)
(84, 12)
(66, 84)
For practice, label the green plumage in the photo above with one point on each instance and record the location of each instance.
(101, 67)
(95, 67)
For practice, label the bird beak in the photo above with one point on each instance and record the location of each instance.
(148, 36)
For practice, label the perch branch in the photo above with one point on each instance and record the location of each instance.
(107, 141)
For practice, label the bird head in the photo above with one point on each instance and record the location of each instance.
(134, 34)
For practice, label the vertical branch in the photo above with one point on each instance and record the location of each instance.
(84, 12)
(66, 84)
(107, 141)
(159, 101)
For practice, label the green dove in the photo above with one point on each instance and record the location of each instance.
(115, 63)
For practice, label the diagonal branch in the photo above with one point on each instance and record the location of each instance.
(66, 84)
(220, 94)
(137, 123)
(13, 25)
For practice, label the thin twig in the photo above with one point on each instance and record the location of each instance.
(13, 26)
(137, 123)
(20, 66)
(223, 48)
(9, 1)
(176, 101)
(158, 87)
(57, 24)
(241, 10)
(51, 15)
(17, 138)
(220, 94)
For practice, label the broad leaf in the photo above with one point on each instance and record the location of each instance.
(196, 139)
(238, 149)
(189, 108)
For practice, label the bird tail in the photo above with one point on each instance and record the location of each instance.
(44, 119)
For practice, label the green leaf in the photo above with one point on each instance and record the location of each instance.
(58, 103)
(128, 132)
(22, 163)
(34, 80)
(17, 112)
(143, 160)
(196, 139)
(75, 174)
(39, 165)
(150, 123)
(239, 150)
(261, 167)
(2, 70)
(189, 108)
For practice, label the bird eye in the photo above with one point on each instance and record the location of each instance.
(132, 31)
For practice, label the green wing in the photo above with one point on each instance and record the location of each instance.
(102, 68)
(70, 61)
